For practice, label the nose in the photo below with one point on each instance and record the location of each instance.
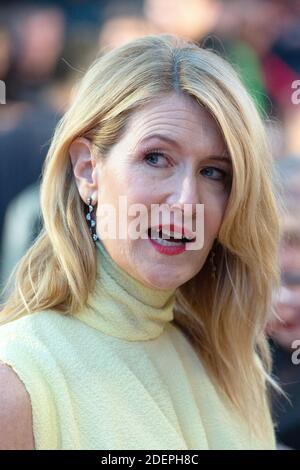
(289, 297)
(184, 192)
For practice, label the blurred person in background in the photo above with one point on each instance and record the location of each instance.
(121, 29)
(284, 327)
(5, 53)
(190, 19)
(281, 67)
(77, 12)
(27, 120)
(37, 95)
(260, 38)
(218, 25)
(38, 35)
(123, 22)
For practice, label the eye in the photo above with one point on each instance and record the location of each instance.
(155, 158)
(214, 173)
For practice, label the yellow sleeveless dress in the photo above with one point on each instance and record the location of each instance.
(119, 375)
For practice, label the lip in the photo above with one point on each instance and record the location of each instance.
(167, 250)
(289, 326)
(175, 228)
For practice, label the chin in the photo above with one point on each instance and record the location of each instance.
(163, 281)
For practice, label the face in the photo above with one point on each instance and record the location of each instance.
(286, 328)
(171, 153)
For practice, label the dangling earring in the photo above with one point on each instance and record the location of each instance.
(91, 220)
(213, 264)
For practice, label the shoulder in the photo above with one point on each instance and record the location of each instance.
(15, 412)
(31, 345)
(36, 342)
(30, 349)
(37, 323)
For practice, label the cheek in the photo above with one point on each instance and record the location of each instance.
(141, 187)
(129, 182)
(214, 209)
(290, 259)
(123, 192)
(113, 184)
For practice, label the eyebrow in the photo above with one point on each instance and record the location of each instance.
(222, 158)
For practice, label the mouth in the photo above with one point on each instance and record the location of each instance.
(170, 235)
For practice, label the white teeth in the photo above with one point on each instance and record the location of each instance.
(165, 233)
(155, 234)
(163, 242)
(172, 234)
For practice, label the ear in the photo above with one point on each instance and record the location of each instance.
(85, 168)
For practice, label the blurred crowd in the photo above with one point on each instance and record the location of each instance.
(45, 48)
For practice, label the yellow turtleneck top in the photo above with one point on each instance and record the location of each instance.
(120, 374)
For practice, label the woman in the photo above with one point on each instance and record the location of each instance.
(284, 328)
(118, 344)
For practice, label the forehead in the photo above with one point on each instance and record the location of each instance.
(179, 117)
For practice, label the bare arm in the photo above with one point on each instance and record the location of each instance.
(15, 412)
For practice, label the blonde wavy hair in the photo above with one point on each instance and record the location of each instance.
(224, 319)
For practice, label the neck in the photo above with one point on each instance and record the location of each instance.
(123, 306)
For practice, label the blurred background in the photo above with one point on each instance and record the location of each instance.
(45, 48)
